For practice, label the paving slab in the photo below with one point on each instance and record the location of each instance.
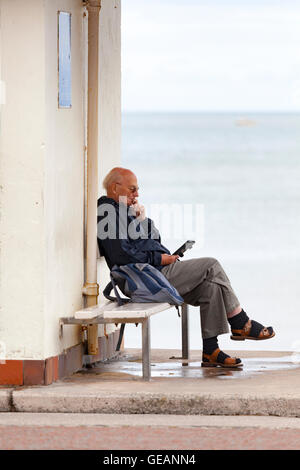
(5, 399)
(150, 420)
(268, 384)
(142, 432)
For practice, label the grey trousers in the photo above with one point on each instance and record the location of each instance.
(203, 282)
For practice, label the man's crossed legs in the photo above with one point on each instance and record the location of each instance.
(203, 282)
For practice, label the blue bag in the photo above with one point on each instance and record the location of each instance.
(141, 282)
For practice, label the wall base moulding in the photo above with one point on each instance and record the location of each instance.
(47, 371)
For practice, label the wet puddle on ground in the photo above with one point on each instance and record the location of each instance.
(193, 370)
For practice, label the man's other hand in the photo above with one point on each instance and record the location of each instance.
(168, 259)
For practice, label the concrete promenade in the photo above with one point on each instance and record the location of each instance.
(268, 385)
(109, 406)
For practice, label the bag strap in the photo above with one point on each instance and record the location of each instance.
(107, 291)
(112, 285)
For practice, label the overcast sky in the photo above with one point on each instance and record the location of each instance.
(210, 55)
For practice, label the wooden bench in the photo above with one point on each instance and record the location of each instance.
(110, 312)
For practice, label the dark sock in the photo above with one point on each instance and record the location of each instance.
(238, 321)
(210, 344)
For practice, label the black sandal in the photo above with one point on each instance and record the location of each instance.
(253, 330)
(219, 359)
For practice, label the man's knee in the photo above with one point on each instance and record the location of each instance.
(207, 267)
(211, 262)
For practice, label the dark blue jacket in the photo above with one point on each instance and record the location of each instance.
(122, 239)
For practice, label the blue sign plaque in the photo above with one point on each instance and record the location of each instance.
(64, 60)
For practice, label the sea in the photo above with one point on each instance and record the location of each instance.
(237, 177)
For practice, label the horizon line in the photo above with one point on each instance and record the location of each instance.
(245, 111)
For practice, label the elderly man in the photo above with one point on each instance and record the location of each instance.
(201, 281)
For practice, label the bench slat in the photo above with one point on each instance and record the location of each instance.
(112, 310)
(132, 310)
(91, 312)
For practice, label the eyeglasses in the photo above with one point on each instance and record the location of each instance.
(132, 189)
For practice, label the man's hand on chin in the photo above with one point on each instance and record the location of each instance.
(139, 210)
(168, 259)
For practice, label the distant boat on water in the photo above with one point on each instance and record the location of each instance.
(245, 122)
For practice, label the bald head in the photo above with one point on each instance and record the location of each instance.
(121, 182)
(116, 175)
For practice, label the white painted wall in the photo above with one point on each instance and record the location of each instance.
(109, 87)
(64, 183)
(22, 166)
(42, 170)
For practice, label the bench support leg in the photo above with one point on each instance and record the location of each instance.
(185, 332)
(92, 334)
(146, 349)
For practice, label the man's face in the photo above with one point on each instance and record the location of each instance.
(128, 188)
